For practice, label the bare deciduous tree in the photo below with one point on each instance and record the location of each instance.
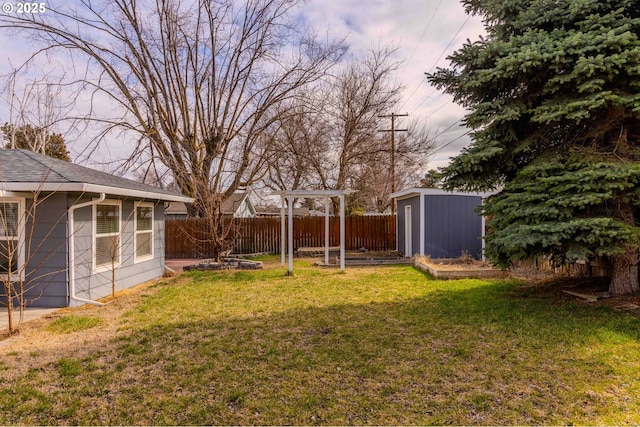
(35, 109)
(197, 81)
(298, 144)
(334, 141)
(34, 139)
(373, 178)
(362, 92)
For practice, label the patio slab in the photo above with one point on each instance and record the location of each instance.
(178, 264)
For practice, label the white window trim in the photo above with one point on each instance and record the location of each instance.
(20, 237)
(136, 258)
(106, 267)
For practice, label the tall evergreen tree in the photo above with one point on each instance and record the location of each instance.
(29, 138)
(553, 91)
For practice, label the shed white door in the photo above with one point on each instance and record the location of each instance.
(408, 249)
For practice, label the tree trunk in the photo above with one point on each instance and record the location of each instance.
(624, 277)
(10, 307)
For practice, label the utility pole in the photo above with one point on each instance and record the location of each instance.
(393, 131)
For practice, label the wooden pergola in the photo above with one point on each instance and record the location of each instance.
(287, 236)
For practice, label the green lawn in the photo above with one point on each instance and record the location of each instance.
(385, 345)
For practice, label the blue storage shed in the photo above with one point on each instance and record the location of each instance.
(438, 223)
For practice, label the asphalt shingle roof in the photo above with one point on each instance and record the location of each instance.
(23, 166)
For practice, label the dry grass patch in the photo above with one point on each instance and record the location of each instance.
(383, 345)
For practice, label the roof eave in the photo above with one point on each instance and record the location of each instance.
(90, 188)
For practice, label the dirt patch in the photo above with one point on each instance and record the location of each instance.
(584, 290)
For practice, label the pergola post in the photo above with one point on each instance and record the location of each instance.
(290, 202)
(326, 231)
(342, 232)
(423, 221)
(283, 236)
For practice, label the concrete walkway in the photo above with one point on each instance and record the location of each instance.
(178, 265)
(29, 314)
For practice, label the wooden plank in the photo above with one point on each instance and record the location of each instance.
(588, 297)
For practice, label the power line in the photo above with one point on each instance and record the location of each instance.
(416, 48)
(437, 109)
(451, 142)
(424, 31)
(433, 66)
(450, 42)
(425, 99)
(449, 127)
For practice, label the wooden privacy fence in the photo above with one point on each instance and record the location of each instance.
(186, 238)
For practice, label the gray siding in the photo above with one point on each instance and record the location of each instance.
(47, 266)
(452, 226)
(45, 279)
(47, 275)
(95, 285)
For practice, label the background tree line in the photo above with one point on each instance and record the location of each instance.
(333, 136)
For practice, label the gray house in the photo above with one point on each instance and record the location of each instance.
(237, 205)
(439, 223)
(70, 234)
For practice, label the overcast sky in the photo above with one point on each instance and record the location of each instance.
(424, 31)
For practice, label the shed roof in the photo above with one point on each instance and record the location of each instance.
(413, 192)
(26, 171)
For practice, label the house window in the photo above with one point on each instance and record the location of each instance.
(144, 231)
(11, 236)
(107, 235)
